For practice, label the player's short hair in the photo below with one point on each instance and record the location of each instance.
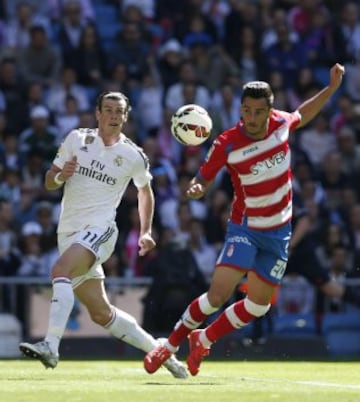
(112, 95)
(258, 90)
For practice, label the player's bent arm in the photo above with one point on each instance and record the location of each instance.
(146, 205)
(311, 107)
(53, 178)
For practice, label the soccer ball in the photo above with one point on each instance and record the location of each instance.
(191, 125)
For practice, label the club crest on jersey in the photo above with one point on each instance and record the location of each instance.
(118, 161)
(230, 250)
(89, 139)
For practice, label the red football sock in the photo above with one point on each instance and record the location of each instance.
(223, 325)
(181, 331)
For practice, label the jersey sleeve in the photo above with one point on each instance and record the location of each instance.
(142, 175)
(215, 159)
(65, 150)
(294, 120)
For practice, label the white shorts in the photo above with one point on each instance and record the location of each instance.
(101, 242)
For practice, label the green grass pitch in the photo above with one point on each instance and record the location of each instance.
(226, 381)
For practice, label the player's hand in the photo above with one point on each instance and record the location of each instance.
(146, 244)
(69, 168)
(336, 75)
(195, 191)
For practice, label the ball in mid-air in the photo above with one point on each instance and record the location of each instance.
(191, 125)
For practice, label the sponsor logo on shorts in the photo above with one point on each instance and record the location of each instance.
(239, 239)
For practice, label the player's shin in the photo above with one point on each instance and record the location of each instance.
(62, 302)
(124, 326)
(234, 317)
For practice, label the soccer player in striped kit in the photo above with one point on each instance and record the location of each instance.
(95, 167)
(256, 155)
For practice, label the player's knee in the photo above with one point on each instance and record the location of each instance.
(217, 299)
(255, 309)
(100, 316)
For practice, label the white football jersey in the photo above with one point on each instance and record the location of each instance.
(102, 175)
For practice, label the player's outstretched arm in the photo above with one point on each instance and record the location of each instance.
(311, 107)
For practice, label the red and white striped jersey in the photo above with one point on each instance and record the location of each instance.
(260, 171)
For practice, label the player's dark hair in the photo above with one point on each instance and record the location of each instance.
(258, 90)
(114, 96)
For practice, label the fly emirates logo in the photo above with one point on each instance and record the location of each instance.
(96, 171)
(268, 163)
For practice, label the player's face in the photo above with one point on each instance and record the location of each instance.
(112, 116)
(255, 114)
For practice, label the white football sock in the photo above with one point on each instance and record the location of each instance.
(62, 303)
(124, 326)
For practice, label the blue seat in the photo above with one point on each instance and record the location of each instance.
(342, 333)
(294, 324)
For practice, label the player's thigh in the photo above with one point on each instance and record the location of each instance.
(74, 261)
(92, 295)
(258, 290)
(223, 283)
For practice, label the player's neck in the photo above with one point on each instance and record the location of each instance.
(110, 138)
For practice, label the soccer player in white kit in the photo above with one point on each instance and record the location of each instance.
(95, 167)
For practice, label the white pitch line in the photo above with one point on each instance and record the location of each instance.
(312, 383)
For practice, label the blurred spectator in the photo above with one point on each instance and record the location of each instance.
(12, 87)
(31, 261)
(32, 174)
(296, 295)
(18, 28)
(9, 152)
(269, 35)
(10, 186)
(176, 280)
(285, 56)
(89, 59)
(86, 9)
(40, 137)
(169, 148)
(304, 84)
(352, 82)
(225, 108)
(174, 96)
(70, 27)
(246, 53)
(216, 11)
(149, 108)
(350, 27)
(343, 114)
(131, 49)
(204, 253)
(170, 56)
(333, 235)
(69, 118)
(349, 150)
(333, 179)
(68, 85)
(39, 61)
(317, 140)
(146, 7)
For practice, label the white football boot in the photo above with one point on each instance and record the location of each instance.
(176, 368)
(40, 351)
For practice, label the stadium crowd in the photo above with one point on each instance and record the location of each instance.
(57, 56)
